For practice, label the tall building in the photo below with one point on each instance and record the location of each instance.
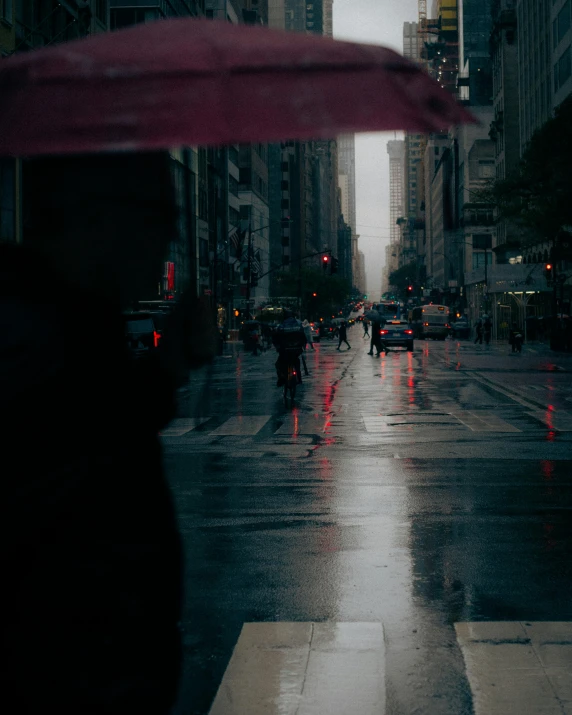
(505, 126)
(328, 17)
(535, 49)
(396, 151)
(26, 25)
(414, 149)
(347, 177)
(475, 25)
(303, 176)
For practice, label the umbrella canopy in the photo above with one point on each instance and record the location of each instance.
(193, 81)
(373, 315)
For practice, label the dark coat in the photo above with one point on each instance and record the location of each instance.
(90, 554)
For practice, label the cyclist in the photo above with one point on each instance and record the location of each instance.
(290, 341)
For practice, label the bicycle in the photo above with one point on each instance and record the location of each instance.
(291, 382)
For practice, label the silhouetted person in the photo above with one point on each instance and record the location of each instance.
(479, 332)
(365, 329)
(343, 335)
(91, 557)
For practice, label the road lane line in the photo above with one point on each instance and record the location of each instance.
(495, 423)
(303, 669)
(558, 420)
(518, 667)
(241, 425)
(182, 425)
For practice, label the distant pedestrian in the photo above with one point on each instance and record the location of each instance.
(515, 338)
(375, 338)
(479, 331)
(365, 329)
(487, 328)
(308, 332)
(343, 335)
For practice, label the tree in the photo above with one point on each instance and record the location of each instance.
(404, 276)
(331, 291)
(537, 197)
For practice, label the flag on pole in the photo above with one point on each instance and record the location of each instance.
(237, 239)
(256, 262)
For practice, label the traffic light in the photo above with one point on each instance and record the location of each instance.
(549, 272)
(236, 313)
(335, 264)
(409, 290)
(314, 295)
(325, 263)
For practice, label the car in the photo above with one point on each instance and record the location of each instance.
(141, 333)
(397, 333)
(326, 330)
(461, 328)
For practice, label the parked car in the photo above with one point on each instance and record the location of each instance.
(461, 328)
(397, 333)
(141, 333)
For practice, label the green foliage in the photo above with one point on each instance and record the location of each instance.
(403, 276)
(538, 196)
(331, 291)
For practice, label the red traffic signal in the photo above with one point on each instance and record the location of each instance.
(326, 259)
(409, 289)
(548, 271)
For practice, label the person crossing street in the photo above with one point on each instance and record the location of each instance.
(365, 329)
(343, 335)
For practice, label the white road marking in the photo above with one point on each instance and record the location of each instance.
(518, 667)
(483, 421)
(305, 669)
(182, 425)
(241, 425)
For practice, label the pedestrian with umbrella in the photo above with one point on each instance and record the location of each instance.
(103, 561)
(376, 323)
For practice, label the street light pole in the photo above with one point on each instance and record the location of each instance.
(248, 264)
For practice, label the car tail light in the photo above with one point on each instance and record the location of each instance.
(447, 325)
(426, 324)
(409, 332)
(383, 332)
(156, 338)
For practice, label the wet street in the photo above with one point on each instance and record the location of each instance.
(413, 508)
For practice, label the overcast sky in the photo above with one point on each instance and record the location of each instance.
(379, 22)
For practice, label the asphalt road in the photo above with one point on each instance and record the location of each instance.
(416, 490)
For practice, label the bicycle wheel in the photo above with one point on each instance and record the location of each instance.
(293, 388)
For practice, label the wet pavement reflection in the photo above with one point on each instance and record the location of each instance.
(416, 490)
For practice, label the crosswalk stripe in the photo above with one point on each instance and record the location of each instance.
(484, 421)
(241, 425)
(305, 668)
(518, 667)
(182, 425)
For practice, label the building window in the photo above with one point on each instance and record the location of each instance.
(479, 259)
(7, 199)
(564, 68)
(204, 253)
(232, 185)
(486, 168)
(7, 11)
(101, 11)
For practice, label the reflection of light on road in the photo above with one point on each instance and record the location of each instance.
(296, 413)
(547, 466)
(549, 419)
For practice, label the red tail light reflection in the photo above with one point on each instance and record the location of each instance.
(156, 338)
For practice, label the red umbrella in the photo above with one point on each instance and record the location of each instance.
(191, 81)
